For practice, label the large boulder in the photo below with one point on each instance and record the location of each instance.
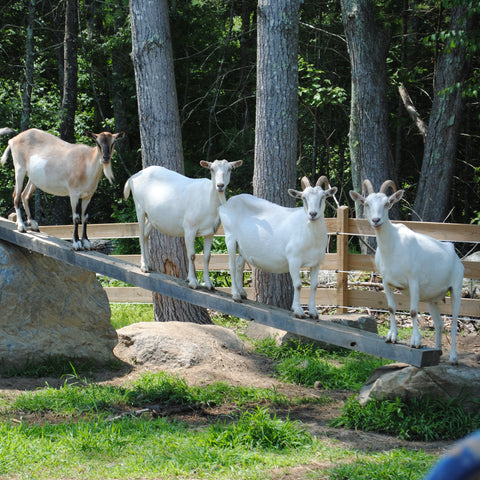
(51, 308)
(461, 382)
(174, 345)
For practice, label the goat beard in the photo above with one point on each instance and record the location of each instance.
(107, 170)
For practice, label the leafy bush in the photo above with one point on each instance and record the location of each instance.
(422, 418)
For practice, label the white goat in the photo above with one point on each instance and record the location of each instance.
(416, 264)
(180, 206)
(61, 169)
(278, 239)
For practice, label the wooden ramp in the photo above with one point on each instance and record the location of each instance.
(326, 331)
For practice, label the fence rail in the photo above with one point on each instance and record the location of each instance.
(346, 293)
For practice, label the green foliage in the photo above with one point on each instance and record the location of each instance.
(422, 418)
(77, 396)
(259, 429)
(394, 465)
(306, 364)
(124, 314)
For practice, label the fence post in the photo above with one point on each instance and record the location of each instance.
(342, 259)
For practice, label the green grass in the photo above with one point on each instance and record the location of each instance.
(420, 418)
(305, 364)
(75, 437)
(124, 314)
(84, 430)
(394, 465)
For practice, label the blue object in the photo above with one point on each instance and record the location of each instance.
(461, 462)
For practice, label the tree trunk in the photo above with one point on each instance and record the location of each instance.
(29, 60)
(276, 125)
(160, 137)
(69, 97)
(435, 184)
(368, 137)
(69, 102)
(119, 102)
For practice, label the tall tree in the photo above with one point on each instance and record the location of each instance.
(368, 137)
(160, 136)
(70, 65)
(69, 96)
(29, 62)
(432, 201)
(276, 124)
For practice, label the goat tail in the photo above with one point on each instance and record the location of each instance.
(126, 189)
(5, 155)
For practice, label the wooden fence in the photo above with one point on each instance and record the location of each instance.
(345, 292)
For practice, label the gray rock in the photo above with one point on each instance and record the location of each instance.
(50, 308)
(173, 344)
(258, 331)
(441, 381)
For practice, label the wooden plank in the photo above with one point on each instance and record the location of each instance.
(324, 297)
(377, 300)
(222, 302)
(219, 261)
(95, 231)
(453, 232)
(342, 259)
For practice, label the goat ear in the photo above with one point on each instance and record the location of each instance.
(294, 193)
(356, 197)
(206, 164)
(331, 192)
(394, 198)
(236, 164)
(119, 135)
(91, 135)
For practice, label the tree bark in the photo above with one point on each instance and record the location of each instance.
(69, 102)
(368, 137)
(119, 102)
(435, 184)
(69, 96)
(276, 125)
(29, 61)
(160, 137)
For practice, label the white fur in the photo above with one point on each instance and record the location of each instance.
(417, 265)
(180, 206)
(277, 239)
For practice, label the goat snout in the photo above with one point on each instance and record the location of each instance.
(376, 222)
(313, 215)
(220, 187)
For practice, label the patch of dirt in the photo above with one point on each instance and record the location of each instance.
(248, 369)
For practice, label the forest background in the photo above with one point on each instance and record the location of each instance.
(214, 46)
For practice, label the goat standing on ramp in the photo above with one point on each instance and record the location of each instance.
(416, 264)
(59, 168)
(180, 206)
(278, 239)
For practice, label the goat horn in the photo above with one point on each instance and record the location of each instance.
(305, 183)
(367, 187)
(323, 180)
(386, 184)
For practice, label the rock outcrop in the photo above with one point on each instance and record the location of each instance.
(461, 382)
(50, 308)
